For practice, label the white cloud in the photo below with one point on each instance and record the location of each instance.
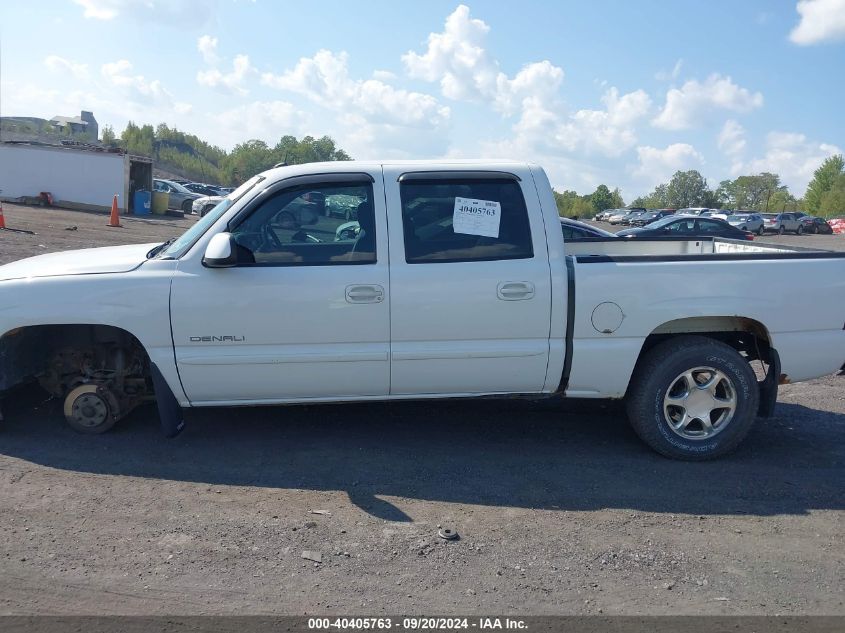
(325, 79)
(264, 120)
(230, 83)
(540, 80)
(821, 20)
(731, 139)
(608, 132)
(691, 103)
(384, 75)
(62, 65)
(207, 46)
(664, 75)
(374, 117)
(657, 165)
(793, 157)
(458, 60)
(565, 171)
(100, 9)
(176, 13)
(114, 107)
(137, 88)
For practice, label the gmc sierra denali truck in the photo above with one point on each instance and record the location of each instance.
(449, 280)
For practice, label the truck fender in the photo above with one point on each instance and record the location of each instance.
(169, 411)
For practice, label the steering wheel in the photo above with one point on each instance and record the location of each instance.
(270, 238)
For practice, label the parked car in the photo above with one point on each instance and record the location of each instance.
(203, 205)
(780, 223)
(747, 221)
(342, 206)
(632, 217)
(816, 225)
(180, 196)
(573, 230)
(620, 215)
(651, 215)
(431, 300)
(719, 214)
(694, 210)
(687, 226)
(604, 216)
(203, 189)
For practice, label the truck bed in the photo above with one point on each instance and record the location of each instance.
(688, 248)
(691, 284)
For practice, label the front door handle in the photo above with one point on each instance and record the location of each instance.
(364, 294)
(515, 290)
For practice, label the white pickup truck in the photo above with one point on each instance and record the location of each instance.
(449, 280)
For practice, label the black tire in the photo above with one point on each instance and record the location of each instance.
(760, 231)
(206, 209)
(800, 229)
(186, 206)
(781, 230)
(657, 371)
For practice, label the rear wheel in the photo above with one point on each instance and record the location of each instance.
(760, 231)
(781, 230)
(800, 229)
(692, 398)
(186, 206)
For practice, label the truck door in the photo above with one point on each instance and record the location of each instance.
(309, 318)
(470, 280)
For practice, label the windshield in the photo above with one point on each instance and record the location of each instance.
(186, 240)
(661, 222)
(178, 187)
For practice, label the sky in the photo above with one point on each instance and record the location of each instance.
(616, 92)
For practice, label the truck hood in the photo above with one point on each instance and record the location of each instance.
(88, 261)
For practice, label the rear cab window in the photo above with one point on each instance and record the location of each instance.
(464, 219)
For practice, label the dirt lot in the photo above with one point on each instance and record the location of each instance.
(560, 509)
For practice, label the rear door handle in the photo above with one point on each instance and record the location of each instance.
(515, 290)
(364, 294)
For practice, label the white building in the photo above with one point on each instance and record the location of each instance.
(77, 177)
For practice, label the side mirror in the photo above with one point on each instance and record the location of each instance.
(221, 252)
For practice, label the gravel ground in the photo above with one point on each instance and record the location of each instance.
(559, 508)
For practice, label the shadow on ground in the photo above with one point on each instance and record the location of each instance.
(573, 455)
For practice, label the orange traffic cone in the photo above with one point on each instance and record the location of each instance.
(114, 220)
(3, 226)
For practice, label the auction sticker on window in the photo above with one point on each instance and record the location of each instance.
(477, 217)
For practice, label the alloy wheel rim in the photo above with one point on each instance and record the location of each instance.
(700, 403)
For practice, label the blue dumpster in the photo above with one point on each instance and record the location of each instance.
(143, 202)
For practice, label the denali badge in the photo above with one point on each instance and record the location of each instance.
(217, 339)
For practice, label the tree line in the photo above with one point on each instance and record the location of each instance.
(193, 158)
(764, 192)
(196, 159)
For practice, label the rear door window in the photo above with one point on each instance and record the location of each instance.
(464, 220)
